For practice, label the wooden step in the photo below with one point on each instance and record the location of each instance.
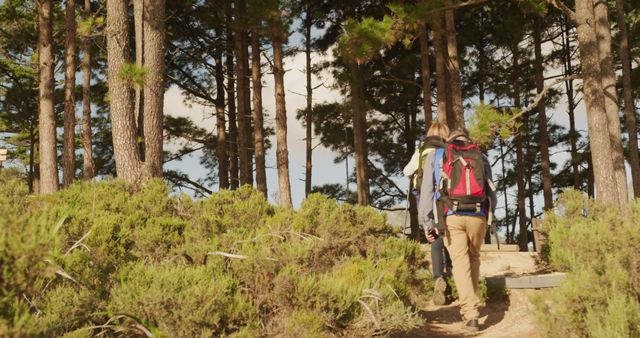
(547, 280)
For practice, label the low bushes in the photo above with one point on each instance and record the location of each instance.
(107, 257)
(601, 254)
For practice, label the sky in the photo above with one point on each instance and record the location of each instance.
(324, 168)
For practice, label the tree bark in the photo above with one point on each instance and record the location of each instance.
(231, 101)
(154, 46)
(571, 107)
(47, 121)
(69, 117)
(504, 192)
(32, 156)
(359, 111)
(282, 152)
(441, 70)
(520, 180)
(542, 117)
(453, 69)
(241, 83)
(627, 92)
(410, 127)
(601, 150)
(123, 124)
(608, 77)
(88, 169)
(221, 148)
(425, 72)
(308, 120)
(258, 115)
(138, 105)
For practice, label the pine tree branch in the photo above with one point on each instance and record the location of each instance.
(570, 14)
(456, 6)
(541, 95)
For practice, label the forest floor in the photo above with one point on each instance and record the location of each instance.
(511, 316)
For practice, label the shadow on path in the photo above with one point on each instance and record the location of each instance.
(446, 322)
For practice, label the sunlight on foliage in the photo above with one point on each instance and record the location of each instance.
(109, 257)
(364, 39)
(134, 74)
(489, 122)
(598, 248)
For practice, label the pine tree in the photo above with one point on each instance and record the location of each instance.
(282, 151)
(629, 106)
(88, 167)
(153, 98)
(47, 120)
(127, 157)
(69, 118)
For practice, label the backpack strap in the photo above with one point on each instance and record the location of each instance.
(438, 171)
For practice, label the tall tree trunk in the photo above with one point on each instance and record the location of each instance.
(590, 179)
(123, 124)
(32, 155)
(258, 114)
(359, 111)
(308, 120)
(425, 72)
(601, 149)
(542, 116)
(529, 157)
(69, 117)
(453, 69)
(441, 69)
(138, 105)
(282, 152)
(520, 180)
(571, 107)
(410, 128)
(47, 122)
(608, 77)
(241, 83)
(221, 147)
(504, 191)
(88, 169)
(627, 92)
(231, 101)
(154, 46)
(481, 60)
(249, 132)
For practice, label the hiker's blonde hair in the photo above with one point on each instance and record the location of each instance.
(438, 129)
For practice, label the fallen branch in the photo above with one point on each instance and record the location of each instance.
(373, 317)
(79, 243)
(225, 254)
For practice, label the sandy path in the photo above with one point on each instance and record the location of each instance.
(511, 316)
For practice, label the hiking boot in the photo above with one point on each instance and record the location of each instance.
(472, 325)
(439, 288)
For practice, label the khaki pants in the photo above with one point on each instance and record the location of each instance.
(464, 236)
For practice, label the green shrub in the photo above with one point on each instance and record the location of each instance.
(107, 257)
(600, 253)
(181, 301)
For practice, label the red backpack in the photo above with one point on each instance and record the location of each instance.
(462, 182)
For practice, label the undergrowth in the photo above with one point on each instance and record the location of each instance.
(109, 258)
(599, 249)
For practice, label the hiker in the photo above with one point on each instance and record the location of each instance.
(440, 260)
(464, 201)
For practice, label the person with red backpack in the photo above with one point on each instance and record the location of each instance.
(440, 259)
(461, 197)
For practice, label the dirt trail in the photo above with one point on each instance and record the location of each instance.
(511, 316)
